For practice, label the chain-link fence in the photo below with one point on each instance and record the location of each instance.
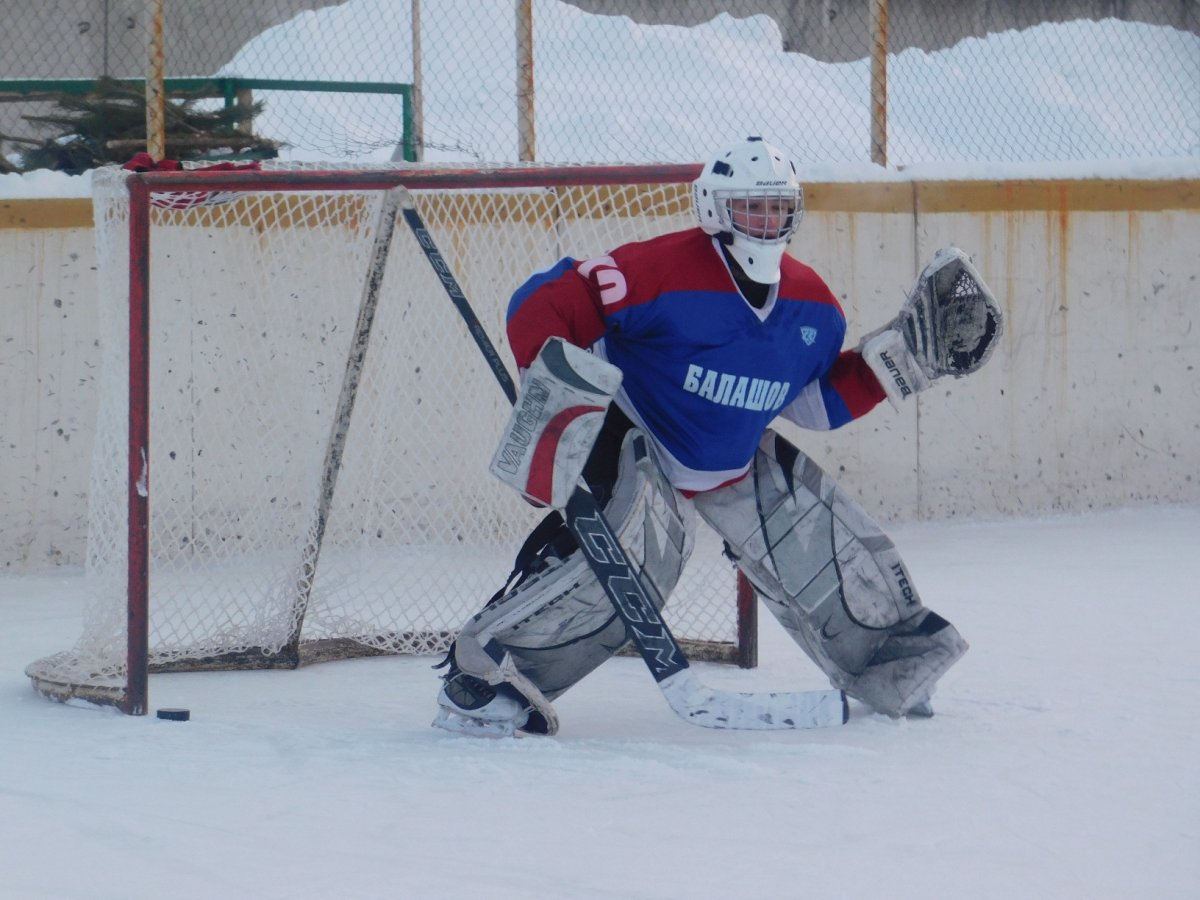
(891, 81)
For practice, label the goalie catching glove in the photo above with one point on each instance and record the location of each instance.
(560, 408)
(948, 326)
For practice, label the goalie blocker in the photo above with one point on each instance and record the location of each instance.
(559, 411)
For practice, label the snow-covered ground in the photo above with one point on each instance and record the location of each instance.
(1062, 762)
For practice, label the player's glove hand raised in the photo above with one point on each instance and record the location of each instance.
(948, 326)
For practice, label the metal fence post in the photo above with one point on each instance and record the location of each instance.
(879, 54)
(526, 123)
(156, 139)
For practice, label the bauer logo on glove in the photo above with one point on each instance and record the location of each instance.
(563, 398)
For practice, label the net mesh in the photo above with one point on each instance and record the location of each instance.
(253, 309)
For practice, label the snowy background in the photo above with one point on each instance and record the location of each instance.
(1061, 762)
(610, 90)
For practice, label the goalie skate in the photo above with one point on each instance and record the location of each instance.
(468, 705)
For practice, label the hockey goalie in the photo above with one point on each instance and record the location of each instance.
(653, 374)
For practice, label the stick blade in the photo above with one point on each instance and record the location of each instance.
(701, 705)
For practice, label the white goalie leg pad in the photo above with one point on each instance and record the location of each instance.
(557, 625)
(832, 578)
(554, 423)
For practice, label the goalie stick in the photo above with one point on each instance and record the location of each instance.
(683, 691)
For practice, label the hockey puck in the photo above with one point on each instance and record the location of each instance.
(175, 715)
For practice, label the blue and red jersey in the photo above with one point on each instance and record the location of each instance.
(704, 372)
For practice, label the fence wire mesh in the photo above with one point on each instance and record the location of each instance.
(638, 81)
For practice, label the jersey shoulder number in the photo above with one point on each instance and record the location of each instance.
(609, 280)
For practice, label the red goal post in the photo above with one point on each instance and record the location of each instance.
(318, 419)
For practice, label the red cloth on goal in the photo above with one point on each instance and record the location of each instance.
(144, 162)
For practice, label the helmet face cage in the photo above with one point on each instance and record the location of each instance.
(764, 215)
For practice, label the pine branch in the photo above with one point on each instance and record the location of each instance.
(103, 125)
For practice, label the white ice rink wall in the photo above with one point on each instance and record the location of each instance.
(1091, 401)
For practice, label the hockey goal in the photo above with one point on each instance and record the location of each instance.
(294, 424)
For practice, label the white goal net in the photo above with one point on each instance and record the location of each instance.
(265, 546)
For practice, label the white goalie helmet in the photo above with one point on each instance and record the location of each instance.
(750, 197)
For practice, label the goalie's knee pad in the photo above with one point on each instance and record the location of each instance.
(832, 578)
(557, 624)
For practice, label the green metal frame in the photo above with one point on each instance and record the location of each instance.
(228, 88)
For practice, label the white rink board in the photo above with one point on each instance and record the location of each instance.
(1091, 401)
